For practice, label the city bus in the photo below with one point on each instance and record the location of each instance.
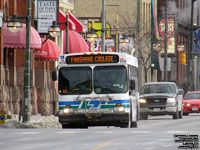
(97, 89)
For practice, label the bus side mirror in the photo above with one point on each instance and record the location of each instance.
(132, 84)
(54, 76)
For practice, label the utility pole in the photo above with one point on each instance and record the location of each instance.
(103, 37)
(138, 40)
(190, 67)
(165, 43)
(27, 76)
(198, 70)
(117, 35)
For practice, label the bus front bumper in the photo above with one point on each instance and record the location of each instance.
(94, 119)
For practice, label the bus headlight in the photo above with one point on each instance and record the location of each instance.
(67, 110)
(143, 101)
(119, 109)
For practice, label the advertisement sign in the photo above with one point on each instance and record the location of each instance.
(170, 27)
(155, 22)
(46, 14)
(110, 45)
(98, 27)
(197, 41)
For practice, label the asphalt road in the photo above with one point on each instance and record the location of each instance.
(156, 133)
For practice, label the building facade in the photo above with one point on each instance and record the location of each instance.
(12, 63)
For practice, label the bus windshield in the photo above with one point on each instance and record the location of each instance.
(106, 79)
(75, 80)
(110, 79)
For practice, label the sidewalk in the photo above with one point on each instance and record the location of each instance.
(36, 121)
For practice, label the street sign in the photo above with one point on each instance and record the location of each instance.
(46, 13)
(2, 116)
(170, 27)
(197, 41)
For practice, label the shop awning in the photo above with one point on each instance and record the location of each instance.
(62, 19)
(48, 51)
(77, 43)
(79, 26)
(18, 39)
(74, 23)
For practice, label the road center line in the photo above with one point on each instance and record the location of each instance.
(112, 140)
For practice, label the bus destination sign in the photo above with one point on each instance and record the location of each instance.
(92, 59)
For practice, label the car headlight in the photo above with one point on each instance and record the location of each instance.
(143, 101)
(171, 100)
(188, 105)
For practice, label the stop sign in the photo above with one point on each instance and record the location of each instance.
(170, 27)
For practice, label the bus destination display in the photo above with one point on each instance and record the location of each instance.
(92, 59)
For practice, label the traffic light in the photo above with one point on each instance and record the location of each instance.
(183, 58)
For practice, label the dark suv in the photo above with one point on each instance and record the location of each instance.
(161, 98)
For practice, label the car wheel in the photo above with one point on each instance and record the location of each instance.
(143, 116)
(65, 126)
(185, 114)
(133, 124)
(124, 125)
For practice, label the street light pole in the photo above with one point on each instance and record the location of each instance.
(27, 72)
(67, 34)
(190, 67)
(103, 26)
(165, 43)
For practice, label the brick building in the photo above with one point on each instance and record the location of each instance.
(12, 60)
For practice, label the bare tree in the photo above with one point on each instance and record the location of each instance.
(144, 53)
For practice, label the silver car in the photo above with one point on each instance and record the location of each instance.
(161, 98)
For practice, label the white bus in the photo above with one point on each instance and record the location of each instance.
(97, 89)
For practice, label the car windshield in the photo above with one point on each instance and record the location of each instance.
(190, 96)
(157, 88)
(110, 79)
(75, 80)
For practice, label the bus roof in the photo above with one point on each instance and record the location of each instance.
(97, 58)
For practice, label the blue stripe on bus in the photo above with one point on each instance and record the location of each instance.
(93, 102)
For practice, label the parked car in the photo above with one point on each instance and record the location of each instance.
(161, 98)
(191, 102)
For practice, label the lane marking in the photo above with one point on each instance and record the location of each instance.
(150, 148)
(165, 139)
(24, 139)
(167, 145)
(64, 132)
(140, 131)
(110, 141)
(24, 133)
(174, 132)
(103, 132)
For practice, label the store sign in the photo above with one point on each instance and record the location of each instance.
(170, 27)
(197, 41)
(46, 14)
